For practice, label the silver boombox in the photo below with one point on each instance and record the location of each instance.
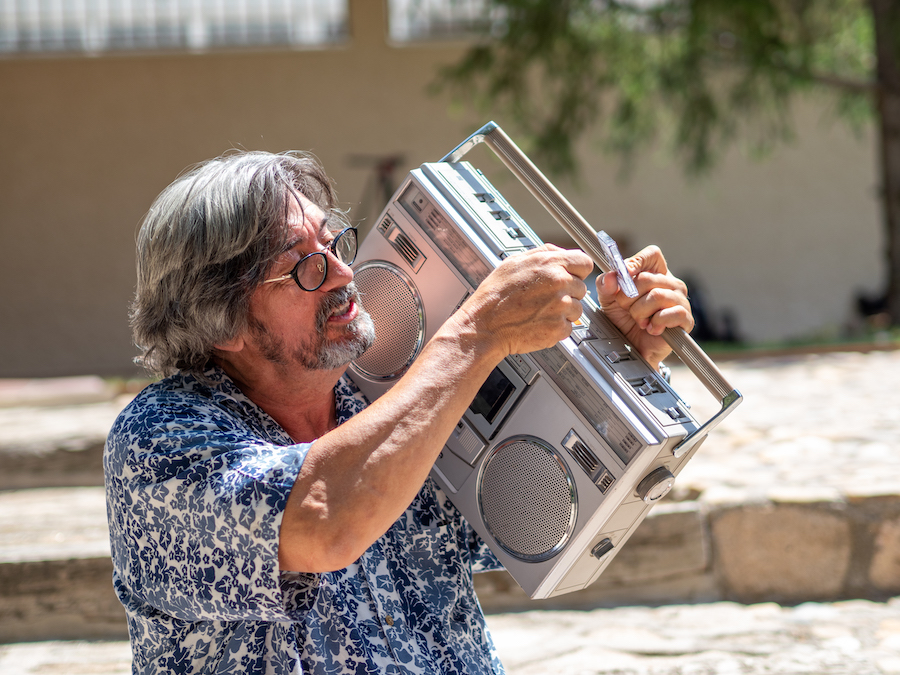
(563, 451)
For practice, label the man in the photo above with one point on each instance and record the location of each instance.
(263, 517)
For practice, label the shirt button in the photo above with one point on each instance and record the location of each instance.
(389, 620)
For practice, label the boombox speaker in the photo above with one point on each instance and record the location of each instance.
(563, 451)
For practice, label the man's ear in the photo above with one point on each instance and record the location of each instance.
(235, 344)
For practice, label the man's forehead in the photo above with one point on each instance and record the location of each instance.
(300, 208)
(304, 221)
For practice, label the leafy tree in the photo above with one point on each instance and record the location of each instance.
(700, 74)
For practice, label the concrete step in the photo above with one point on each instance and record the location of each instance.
(55, 446)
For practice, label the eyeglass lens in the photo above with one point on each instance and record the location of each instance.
(312, 270)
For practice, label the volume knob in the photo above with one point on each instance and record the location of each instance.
(655, 485)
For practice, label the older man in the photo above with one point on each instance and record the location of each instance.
(263, 517)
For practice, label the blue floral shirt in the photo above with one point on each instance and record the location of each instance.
(197, 477)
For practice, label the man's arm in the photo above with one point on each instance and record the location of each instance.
(357, 479)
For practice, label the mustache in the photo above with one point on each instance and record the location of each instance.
(334, 299)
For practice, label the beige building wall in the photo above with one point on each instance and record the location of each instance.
(87, 143)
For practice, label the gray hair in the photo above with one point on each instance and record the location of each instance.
(206, 244)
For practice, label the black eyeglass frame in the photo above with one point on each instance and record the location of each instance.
(348, 234)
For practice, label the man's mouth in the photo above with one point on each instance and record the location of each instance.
(342, 312)
(341, 305)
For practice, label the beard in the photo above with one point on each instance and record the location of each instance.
(319, 352)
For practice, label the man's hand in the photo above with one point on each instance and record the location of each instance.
(662, 303)
(530, 300)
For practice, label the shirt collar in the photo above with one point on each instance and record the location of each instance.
(216, 385)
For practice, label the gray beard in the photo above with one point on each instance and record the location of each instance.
(319, 353)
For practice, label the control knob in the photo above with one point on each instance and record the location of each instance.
(655, 485)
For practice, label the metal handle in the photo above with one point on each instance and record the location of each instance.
(585, 236)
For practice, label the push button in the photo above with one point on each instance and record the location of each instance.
(602, 548)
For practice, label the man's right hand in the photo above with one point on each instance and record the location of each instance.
(530, 300)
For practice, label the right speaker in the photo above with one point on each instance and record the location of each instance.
(526, 496)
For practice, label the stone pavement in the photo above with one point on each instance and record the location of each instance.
(850, 638)
(795, 498)
(856, 637)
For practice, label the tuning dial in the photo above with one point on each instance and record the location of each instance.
(656, 485)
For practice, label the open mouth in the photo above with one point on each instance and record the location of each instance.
(343, 312)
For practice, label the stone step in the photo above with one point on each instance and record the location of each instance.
(52, 391)
(55, 570)
(55, 446)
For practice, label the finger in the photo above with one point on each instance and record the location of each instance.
(661, 308)
(671, 317)
(575, 310)
(578, 289)
(577, 262)
(607, 288)
(649, 259)
(647, 281)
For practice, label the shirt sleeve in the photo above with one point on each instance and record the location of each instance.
(195, 499)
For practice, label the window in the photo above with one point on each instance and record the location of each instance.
(417, 20)
(96, 26)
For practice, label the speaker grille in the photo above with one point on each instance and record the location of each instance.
(391, 300)
(527, 499)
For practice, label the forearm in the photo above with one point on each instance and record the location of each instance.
(358, 479)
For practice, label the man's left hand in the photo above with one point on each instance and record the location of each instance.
(662, 303)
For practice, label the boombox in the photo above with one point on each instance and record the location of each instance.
(563, 452)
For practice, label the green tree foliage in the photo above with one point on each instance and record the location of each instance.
(695, 74)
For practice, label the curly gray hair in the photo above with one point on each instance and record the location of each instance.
(205, 245)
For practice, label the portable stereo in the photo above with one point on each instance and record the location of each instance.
(563, 451)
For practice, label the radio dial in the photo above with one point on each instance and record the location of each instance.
(656, 485)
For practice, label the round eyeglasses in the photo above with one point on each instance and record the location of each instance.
(311, 270)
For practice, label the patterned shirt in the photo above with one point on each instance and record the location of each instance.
(197, 477)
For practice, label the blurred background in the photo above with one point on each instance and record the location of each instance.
(778, 226)
(756, 141)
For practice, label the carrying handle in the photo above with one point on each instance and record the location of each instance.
(585, 236)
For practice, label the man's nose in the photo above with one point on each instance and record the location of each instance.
(339, 274)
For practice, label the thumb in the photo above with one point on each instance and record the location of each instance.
(607, 287)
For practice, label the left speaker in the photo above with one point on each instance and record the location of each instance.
(391, 299)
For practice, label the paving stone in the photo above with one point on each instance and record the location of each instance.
(848, 638)
(820, 421)
(782, 551)
(885, 570)
(66, 658)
